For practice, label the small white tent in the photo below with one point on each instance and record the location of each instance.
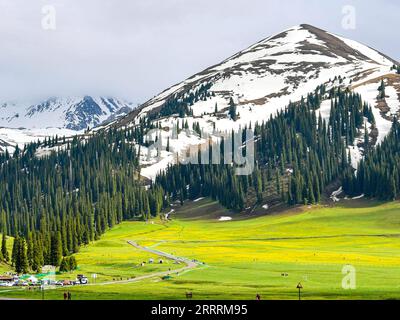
(32, 279)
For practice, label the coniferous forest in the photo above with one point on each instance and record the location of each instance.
(378, 175)
(297, 152)
(58, 202)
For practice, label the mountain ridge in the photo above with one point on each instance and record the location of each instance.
(310, 39)
(73, 113)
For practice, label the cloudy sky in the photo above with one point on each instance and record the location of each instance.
(134, 49)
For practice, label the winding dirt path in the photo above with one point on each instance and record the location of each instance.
(189, 265)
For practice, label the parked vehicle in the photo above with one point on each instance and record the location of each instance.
(6, 284)
(81, 279)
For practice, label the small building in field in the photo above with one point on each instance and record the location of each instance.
(6, 278)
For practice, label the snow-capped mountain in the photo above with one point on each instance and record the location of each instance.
(268, 75)
(24, 122)
(77, 113)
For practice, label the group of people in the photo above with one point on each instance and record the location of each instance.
(67, 296)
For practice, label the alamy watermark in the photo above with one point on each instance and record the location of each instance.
(349, 279)
(238, 148)
(49, 17)
(349, 20)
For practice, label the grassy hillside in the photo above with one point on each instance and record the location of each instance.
(247, 256)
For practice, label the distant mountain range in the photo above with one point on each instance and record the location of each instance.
(23, 122)
(77, 113)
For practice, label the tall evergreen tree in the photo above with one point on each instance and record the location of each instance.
(382, 90)
(20, 256)
(56, 249)
(232, 110)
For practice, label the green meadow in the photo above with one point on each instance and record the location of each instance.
(267, 255)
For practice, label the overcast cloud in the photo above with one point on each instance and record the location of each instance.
(135, 49)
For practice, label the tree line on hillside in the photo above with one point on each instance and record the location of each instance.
(180, 104)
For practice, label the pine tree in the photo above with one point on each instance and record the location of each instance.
(64, 266)
(37, 260)
(20, 256)
(72, 263)
(382, 90)
(68, 264)
(23, 259)
(232, 110)
(14, 252)
(168, 146)
(4, 251)
(56, 249)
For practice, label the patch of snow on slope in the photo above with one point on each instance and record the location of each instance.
(324, 110)
(44, 152)
(153, 164)
(225, 219)
(21, 137)
(356, 154)
(369, 93)
(392, 100)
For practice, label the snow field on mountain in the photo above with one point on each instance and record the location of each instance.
(23, 136)
(367, 51)
(392, 99)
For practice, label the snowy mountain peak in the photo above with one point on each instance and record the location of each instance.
(73, 113)
(267, 75)
(263, 79)
(307, 40)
